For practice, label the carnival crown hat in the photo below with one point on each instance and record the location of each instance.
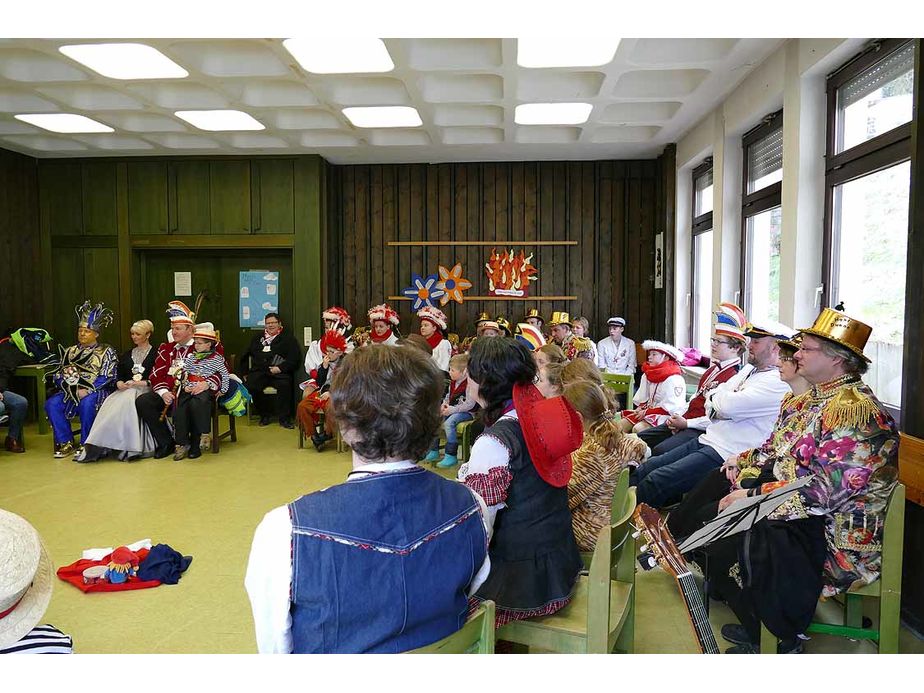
(769, 328)
(483, 317)
(179, 313)
(25, 578)
(487, 325)
(339, 315)
(333, 339)
(434, 315)
(730, 321)
(552, 430)
(93, 317)
(383, 312)
(530, 335)
(616, 322)
(559, 318)
(205, 330)
(840, 328)
(534, 313)
(667, 349)
(793, 344)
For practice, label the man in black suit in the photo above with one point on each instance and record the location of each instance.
(271, 361)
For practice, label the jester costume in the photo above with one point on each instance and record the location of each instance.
(89, 368)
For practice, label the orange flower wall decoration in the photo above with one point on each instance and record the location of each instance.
(509, 274)
(453, 283)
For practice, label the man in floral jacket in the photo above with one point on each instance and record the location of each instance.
(828, 536)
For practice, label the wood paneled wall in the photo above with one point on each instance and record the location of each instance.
(613, 209)
(21, 299)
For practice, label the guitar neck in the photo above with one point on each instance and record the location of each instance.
(698, 616)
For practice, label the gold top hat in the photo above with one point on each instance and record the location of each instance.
(482, 317)
(793, 344)
(503, 323)
(559, 318)
(534, 313)
(841, 329)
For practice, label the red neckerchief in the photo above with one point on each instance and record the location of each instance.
(457, 387)
(662, 371)
(375, 338)
(267, 337)
(434, 339)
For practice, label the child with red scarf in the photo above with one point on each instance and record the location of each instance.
(433, 325)
(382, 320)
(661, 393)
(317, 390)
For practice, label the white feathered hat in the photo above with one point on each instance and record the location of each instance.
(668, 349)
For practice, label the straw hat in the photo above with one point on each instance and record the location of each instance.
(205, 330)
(25, 578)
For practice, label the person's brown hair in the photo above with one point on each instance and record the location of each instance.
(386, 401)
(591, 402)
(554, 353)
(459, 362)
(416, 340)
(553, 374)
(583, 369)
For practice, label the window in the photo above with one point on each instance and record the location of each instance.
(761, 217)
(701, 276)
(867, 181)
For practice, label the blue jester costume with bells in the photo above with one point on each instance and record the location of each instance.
(86, 367)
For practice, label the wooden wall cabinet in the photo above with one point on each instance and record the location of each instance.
(79, 198)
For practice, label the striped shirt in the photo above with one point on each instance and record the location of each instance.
(45, 639)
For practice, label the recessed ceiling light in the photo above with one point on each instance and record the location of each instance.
(220, 120)
(328, 56)
(552, 113)
(565, 51)
(384, 117)
(125, 60)
(63, 122)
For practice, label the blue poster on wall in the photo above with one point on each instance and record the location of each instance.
(259, 295)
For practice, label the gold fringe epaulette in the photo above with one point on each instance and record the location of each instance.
(748, 473)
(849, 408)
(582, 344)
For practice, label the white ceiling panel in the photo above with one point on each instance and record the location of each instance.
(465, 90)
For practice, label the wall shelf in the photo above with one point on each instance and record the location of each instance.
(495, 244)
(500, 298)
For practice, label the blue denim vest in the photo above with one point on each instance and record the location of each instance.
(382, 563)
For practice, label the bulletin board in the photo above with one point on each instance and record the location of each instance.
(259, 295)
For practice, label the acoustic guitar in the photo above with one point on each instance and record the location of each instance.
(662, 550)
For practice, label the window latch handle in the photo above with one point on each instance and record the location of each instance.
(818, 291)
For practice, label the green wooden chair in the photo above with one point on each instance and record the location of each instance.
(465, 439)
(601, 615)
(887, 589)
(623, 497)
(619, 384)
(475, 637)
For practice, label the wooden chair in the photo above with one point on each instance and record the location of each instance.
(887, 589)
(341, 446)
(621, 384)
(217, 412)
(601, 615)
(623, 497)
(463, 431)
(475, 637)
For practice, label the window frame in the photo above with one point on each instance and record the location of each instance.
(758, 201)
(700, 224)
(866, 158)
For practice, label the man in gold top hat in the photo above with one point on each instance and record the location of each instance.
(828, 536)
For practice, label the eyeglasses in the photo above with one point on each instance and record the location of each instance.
(715, 341)
(787, 359)
(271, 324)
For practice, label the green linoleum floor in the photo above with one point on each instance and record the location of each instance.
(209, 508)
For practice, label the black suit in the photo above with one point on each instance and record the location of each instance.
(283, 353)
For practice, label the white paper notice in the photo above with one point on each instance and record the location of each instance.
(245, 292)
(245, 312)
(182, 283)
(270, 289)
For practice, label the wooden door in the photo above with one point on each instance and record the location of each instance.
(218, 273)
